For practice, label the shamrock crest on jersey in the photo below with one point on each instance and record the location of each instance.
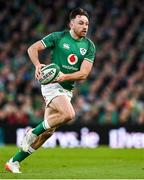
(72, 59)
(83, 51)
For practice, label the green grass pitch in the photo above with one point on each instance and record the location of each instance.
(77, 163)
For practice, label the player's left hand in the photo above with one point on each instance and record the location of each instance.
(60, 78)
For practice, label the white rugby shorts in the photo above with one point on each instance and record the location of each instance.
(50, 91)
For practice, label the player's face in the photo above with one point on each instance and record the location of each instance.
(79, 26)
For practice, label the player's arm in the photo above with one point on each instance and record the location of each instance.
(33, 51)
(82, 74)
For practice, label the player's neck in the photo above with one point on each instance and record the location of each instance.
(74, 36)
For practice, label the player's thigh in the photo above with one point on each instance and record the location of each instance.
(63, 105)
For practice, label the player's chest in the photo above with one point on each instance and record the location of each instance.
(68, 48)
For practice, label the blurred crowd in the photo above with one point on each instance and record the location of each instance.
(114, 91)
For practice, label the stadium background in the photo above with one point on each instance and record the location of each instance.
(111, 98)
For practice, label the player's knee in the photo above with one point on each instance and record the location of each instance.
(69, 115)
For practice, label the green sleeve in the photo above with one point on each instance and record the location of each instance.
(90, 55)
(49, 41)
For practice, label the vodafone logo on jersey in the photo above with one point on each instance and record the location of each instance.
(72, 59)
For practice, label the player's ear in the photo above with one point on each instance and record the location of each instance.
(71, 24)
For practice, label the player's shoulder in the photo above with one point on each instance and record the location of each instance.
(59, 34)
(90, 42)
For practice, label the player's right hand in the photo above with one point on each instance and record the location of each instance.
(38, 71)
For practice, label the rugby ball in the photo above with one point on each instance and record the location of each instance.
(49, 73)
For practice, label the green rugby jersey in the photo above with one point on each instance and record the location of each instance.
(69, 53)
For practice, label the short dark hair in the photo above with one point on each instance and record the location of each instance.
(77, 11)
